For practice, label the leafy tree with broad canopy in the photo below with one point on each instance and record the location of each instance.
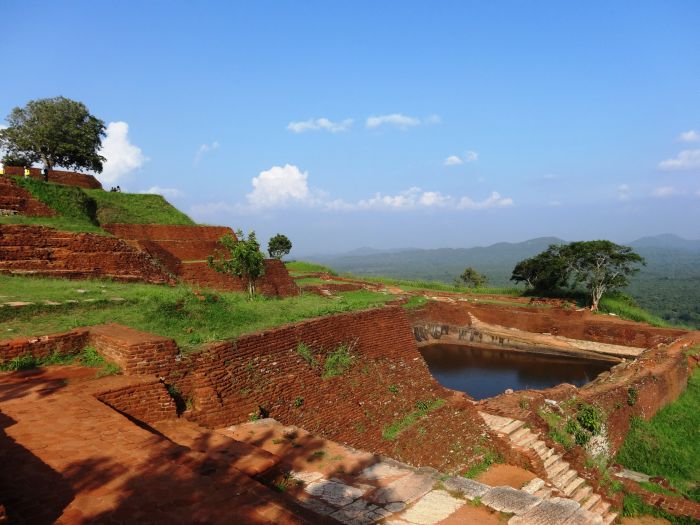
(472, 278)
(279, 246)
(240, 258)
(600, 266)
(55, 131)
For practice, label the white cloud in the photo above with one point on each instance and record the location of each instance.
(665, 191)
(122, 156)
(623, 192)
(415, 198)
(550, 176)
(554, 204)
(165, 192)
(454, 160)
(284, 186)
(433, 119)
(320, 124)
(687, 159)
(279, 186)
(689, 136)
(395, 119)
(204, 149)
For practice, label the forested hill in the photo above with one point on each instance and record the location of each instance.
(669, 285)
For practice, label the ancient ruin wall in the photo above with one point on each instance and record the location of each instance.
(148, 401)
(582, 325)
(63, 343)
(45, 251)
(69, 178)
(183, 250)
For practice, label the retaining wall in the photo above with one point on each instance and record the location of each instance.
(69, 178)
(44, 251)
(15, 199)
(63, 343)
(148, 401)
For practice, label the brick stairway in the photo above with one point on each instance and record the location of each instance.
(16, 200)
(561, 479)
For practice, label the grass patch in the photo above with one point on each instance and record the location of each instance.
(415, 301)
(87, 357)
(488, 457)
(625, 308)
(58, 222)
(338, 361)
(135, 208)
(307, 354)
(633, 507)
(669, 444)
(300, 267)
(167, 311)
(423, 408)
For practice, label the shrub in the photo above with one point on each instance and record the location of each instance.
(22, 362)
(338, 362)
(590, 418)
(306, 354)
(632, 395)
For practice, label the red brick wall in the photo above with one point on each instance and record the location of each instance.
(148, 402)
(567, 323)
(45, 251)
(69, 178)
(164, 232)
(135, 352)
(64, 343)
(15, 198)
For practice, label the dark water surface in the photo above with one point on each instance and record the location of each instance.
(486, 373)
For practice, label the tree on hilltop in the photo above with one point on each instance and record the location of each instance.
(55, 131)
(279, 246)
(240, 258)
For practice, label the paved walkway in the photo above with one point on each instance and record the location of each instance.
(67, 458)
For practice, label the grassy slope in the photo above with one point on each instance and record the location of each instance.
(84, 210)
(135, 208)
(669, 444)
(169, 311)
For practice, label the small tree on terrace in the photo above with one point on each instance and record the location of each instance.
(55, 131)
(279, 246)
(472, 278)
(601, 266)
(241, 258)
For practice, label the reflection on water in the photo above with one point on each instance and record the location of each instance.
(485, 373)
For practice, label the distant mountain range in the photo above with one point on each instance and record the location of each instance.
(669, 285)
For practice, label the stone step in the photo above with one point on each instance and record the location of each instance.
(557, 468)
(563, 479)
(494, 421)
(539, 446)
(527, 441)
(515, 436)
(547, 454)
(544, 493)
(573, 486)
(590, 501)
(512, 427)
(601, 507)
(609, 518)
(582, 493)
(533, 485)
(551, 460)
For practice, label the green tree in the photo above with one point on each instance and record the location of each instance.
(472, 278)
(55, 131)
(601, 266)
(240, 258)
(545, 272)
(279, 246)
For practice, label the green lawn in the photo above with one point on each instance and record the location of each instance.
(669, 444)
(301, 267)
(168, 311)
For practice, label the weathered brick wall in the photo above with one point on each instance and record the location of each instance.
(135, 352)
(63, 343)
(567, 323)
(69, 178)
(45, 251)
(183, 250)
(16, 199)
(148, 402)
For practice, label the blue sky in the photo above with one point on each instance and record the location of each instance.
(333, 122)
